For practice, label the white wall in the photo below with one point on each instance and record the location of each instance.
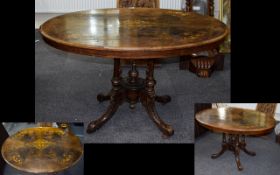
(64, 6)
(245, 105)
(217, 6)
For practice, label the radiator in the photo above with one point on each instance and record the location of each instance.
(62, 6)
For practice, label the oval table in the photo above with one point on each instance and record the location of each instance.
(140, 33)
(235, 123)
(42, 150)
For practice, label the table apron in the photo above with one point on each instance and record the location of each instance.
(133, 54)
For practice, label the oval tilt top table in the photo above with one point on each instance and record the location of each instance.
(140, 33)
(236, 123)
(46, 150)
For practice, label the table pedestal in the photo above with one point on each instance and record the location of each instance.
(234, 143)
(133, 89)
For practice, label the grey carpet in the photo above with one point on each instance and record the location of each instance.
(265, 162)
(67, 85)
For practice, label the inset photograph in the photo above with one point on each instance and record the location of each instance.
(41, 148)
(237, 138)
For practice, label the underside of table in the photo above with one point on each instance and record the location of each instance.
(133, 89)
(234, 143)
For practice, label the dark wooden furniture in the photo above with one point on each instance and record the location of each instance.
(268, 108)
(133, 34)
(138, 3)
(3, 136)
(202, 66)
(199, 130)
(277, 138)
(235, 123)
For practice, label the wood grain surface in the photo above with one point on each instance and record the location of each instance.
(139, 33)
(236, 121)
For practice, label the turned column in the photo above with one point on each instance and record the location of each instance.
(150, 81)
(189, 5)
(211, 8)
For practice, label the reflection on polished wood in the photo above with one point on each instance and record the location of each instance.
(236, 121)
(42, 150)
(141, 33)
(137, 4)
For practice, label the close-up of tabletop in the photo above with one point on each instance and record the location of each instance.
(41, 150)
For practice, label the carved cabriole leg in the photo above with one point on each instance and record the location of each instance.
(116, 98)
(148, 100)
(224, 148)
(243, 147)
(234, 143)
(115, 82)
(132, 89)
(237, 152)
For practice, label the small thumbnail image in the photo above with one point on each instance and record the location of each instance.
(45, 148)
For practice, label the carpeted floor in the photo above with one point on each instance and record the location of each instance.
(67, 85)
(266, 161)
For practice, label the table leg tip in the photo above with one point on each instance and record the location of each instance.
(168, 133)
(91, 128)
(240, 168)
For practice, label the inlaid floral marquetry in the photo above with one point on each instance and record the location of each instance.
(236, 121)
(140, 32)
(42, 150)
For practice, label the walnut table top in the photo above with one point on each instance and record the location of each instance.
(42, 150)
(236, 121)
(140, 33)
